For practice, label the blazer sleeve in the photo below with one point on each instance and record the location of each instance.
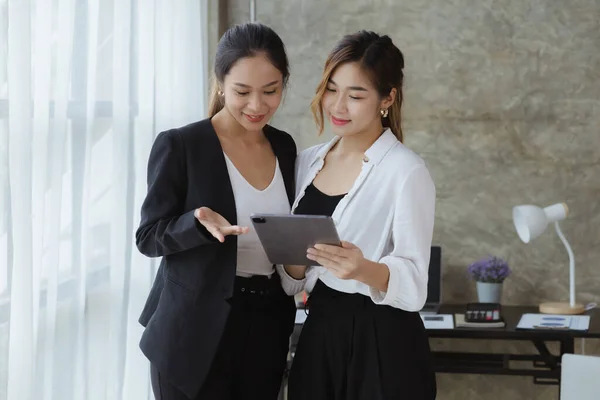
(412, 232)
(165, 226)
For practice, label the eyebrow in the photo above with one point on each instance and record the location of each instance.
(249, 87)
(362, 89)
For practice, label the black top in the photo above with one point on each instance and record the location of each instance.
(315, 202)
(187, 307)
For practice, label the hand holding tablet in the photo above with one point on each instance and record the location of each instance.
(286, 238)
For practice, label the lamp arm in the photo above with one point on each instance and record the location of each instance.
(571, 264)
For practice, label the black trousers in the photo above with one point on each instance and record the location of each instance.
(352, 349)
(252, 354)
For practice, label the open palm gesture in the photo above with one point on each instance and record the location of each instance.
(217, 225)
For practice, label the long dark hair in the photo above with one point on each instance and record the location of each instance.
(240, 41)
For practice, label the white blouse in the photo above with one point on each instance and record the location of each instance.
(388, 213)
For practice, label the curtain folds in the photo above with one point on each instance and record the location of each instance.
(84, 88)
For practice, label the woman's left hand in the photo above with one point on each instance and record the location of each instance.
(345, 262)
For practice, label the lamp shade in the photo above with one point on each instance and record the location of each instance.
(531, 221)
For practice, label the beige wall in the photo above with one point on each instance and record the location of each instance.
(503, 102)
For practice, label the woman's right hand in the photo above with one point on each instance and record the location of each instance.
(217, 225)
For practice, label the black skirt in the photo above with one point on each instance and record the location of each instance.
(352, 349)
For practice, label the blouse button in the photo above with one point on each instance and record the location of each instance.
(366, 159)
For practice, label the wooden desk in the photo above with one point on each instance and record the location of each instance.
(545, 366)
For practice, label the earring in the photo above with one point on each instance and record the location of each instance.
(220, 93)
(384, 112)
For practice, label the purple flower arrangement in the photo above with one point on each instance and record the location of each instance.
(490, 270)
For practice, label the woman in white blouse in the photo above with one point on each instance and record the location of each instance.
(363, 338)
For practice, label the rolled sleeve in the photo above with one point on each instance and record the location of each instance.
(290, 285)
(412, 233)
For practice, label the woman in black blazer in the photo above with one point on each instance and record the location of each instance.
(217, 320)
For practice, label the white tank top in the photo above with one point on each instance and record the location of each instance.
(251, 257)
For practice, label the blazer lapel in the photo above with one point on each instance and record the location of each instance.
(216, 165)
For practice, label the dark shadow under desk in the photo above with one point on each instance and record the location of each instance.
(545, 366)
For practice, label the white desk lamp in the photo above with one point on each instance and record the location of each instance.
(530, 222)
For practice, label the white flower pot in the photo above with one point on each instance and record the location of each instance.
(489, 292)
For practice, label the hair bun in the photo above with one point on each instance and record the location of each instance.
(385, 39)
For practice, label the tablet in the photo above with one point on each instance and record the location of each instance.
(286, 237)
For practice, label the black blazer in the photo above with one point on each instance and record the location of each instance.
(186, 310)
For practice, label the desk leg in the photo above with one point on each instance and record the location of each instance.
(549, 359)
(567, 346)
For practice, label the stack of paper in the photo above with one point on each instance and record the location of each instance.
(553, 321)
(438, 321)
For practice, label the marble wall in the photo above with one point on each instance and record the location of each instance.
(502, 99)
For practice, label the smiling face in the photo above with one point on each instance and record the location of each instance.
(351, 103)
(253, 91)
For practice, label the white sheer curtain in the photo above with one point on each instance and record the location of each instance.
(84, 87)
